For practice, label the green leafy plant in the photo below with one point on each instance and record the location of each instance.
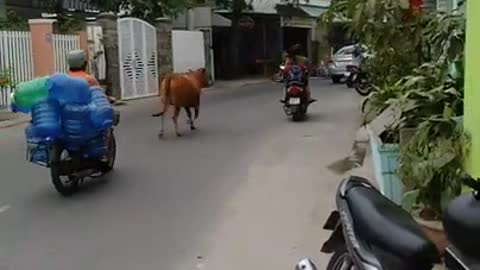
(5, 78)
(432, 163)
(13, 22)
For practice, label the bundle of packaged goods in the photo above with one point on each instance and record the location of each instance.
(65, 109)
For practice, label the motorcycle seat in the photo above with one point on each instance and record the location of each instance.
(461, 221)
(296, 83)
(382, 224)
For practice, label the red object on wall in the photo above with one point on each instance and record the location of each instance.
(415, 7)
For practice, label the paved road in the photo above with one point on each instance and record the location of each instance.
(245, 191)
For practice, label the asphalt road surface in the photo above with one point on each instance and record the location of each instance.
(247, 190)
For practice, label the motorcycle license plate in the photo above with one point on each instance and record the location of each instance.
(294, 101)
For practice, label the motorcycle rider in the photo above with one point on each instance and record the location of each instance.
(77, 63)
(295, 56)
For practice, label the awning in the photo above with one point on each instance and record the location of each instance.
(220, 21)
(313, 11)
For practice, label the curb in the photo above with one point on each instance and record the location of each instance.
(14, 122)
(232, 86)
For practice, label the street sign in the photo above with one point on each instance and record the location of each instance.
(246, 22)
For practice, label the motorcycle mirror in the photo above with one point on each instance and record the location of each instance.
(305, 264)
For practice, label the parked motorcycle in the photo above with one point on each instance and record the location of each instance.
(296, 100)
(358, 79)
(370, 232)
(68, 169)
(278, 76)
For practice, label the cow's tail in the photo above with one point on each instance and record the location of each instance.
(167, 98)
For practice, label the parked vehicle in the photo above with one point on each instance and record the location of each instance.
(371, 232)
(358, 79)
(278, 76)
(337, 66)
(296, 99)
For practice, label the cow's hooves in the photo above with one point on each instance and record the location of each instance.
(179, 135)
(160, 135)
(193, 128)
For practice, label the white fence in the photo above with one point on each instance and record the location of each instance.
(62, 44)
(15, 60)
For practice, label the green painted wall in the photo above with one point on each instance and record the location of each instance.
(472, 84)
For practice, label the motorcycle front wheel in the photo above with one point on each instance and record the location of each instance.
(340, 260)
(363, 88)
(278, 76)
(66, 185)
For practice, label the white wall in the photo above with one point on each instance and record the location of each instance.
(188, 50)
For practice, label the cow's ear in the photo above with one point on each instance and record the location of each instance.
(190, 71)
(203, 70)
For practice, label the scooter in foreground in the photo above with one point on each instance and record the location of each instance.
(370, 232)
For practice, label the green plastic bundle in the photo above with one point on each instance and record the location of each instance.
(30, 93)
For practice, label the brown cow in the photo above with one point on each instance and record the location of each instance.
(182, 91)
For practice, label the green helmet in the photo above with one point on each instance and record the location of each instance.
(77, 59)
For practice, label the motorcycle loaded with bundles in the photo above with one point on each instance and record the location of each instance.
(370, 232)
(296, 99)
(72, 129)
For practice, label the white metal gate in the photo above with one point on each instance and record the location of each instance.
(137, 58)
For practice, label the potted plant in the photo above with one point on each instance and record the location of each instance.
(431, 165)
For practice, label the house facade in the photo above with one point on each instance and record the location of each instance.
(30, 9)
(269, 28)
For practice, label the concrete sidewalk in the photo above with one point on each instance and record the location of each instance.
(9, 119)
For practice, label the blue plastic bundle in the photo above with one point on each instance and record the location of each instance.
(101, 111)
(37, 146)
(77, 129)
(72, 112)
(46, 119)
(68, 90)
(97, 147)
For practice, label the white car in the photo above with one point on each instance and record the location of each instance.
(337, 67)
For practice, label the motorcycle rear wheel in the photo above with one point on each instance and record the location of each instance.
(112, 154)
(298, 116)
(363, 89)
(66, 185)
(340, 260)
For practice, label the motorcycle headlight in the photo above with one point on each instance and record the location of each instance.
(282, 67)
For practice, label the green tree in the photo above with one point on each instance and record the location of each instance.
(147, 10)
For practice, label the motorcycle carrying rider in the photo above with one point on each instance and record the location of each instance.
(77, 67)
(295, 56)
